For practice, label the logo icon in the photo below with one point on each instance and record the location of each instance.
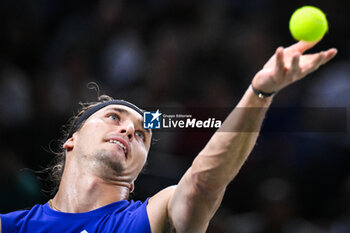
(151, 120)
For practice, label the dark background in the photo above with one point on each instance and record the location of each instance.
(176, 54)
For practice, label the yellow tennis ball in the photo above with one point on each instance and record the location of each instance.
(308, 23)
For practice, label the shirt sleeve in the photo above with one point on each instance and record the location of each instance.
(139, 219)
(12, 222)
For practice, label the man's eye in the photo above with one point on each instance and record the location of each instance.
(114, 117)
(140, 134)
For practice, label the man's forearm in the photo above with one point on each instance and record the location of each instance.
(223, 156)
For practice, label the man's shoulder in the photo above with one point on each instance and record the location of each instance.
(21, 213)
(163, 195)
(16, 217)
(157, 209)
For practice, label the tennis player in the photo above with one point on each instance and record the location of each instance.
(107, 147)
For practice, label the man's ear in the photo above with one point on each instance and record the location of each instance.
(69, 144)
(132, 187)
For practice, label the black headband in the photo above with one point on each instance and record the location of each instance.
(97, 107)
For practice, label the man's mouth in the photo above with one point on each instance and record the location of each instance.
(120, 144)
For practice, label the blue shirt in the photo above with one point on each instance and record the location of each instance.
(120, 217)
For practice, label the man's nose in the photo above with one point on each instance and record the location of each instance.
(128, 129)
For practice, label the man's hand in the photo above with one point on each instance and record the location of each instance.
(289, 65)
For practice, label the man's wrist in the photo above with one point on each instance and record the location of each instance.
(261, 94)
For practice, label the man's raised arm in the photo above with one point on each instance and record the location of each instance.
(199, 193)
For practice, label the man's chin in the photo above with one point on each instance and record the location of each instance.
(110, 163)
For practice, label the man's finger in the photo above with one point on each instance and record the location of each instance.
(329, 55)
(301, 46)
(279, 65)
(294, 69)
(315, 61)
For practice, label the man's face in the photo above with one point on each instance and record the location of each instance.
(112, 143)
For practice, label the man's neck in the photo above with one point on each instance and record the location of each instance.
(81, 192)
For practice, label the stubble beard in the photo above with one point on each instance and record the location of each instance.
(106, 164)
